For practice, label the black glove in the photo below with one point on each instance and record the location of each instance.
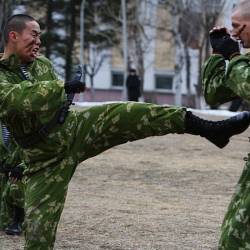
(16, 172)
(223, 44)
(75, 85)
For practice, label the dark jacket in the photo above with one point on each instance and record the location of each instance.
(133, 86)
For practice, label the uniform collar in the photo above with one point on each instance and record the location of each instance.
(12, 62)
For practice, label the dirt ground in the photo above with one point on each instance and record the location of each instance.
(160, 193)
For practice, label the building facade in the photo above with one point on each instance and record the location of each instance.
(165, 69)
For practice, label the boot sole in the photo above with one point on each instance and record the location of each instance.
(219, 143)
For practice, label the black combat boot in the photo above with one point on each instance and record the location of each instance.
(15, 228)
(217, 132)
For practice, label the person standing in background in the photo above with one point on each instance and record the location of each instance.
(133, 84)
(11, 186)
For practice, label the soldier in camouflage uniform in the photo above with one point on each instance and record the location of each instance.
(223, 84)
(54, 140)
(11, 189)
(13, 205)
(4, 154)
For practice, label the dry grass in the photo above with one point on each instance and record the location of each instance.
(161, 193)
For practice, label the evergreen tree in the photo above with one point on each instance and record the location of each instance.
(60, 25)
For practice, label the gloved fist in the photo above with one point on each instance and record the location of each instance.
(222, 43)
(75, 85)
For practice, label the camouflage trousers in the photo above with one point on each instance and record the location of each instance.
(11, 195)
(235, 230)
(98, 129)
(4, 218)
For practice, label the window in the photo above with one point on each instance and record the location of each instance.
(164, 82)
(117, 78)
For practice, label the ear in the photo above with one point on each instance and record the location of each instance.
(13, 36)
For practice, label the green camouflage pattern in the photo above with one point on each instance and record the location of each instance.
(11, 194)
(84, 134)
(27, 101)
(221, 84)
(5, 218)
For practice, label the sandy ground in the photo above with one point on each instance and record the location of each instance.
(161, 193)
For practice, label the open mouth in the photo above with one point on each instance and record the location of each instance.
(35, 51)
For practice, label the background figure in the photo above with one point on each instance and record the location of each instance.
(13, 207)
(133, 84)
(3, 216)
(11, 189)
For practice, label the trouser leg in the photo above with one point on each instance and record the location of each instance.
(95, 130)
(14, 199)
(98, 129)
(5, 213)
(5, 216)
(15, 195)
(103, 127)
(45, 194)
(15, 228)
(235, 230)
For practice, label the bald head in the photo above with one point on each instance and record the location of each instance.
(241, 23)
(243, 8)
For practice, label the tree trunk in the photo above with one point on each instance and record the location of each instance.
(71, 39)
(49, 24)
(92, 90)
(140, 63)
(198, 86)
(6, 8)
(138, 38)
(188, 65)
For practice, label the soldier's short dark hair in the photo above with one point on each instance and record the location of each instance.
(16, 23)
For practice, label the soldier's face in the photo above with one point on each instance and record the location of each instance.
(28, 42)
(241, 28)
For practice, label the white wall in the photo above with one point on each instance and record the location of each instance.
(102, 79)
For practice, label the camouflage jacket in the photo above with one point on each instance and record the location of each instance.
(26, 105)
(223, 83)
(17, 107)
